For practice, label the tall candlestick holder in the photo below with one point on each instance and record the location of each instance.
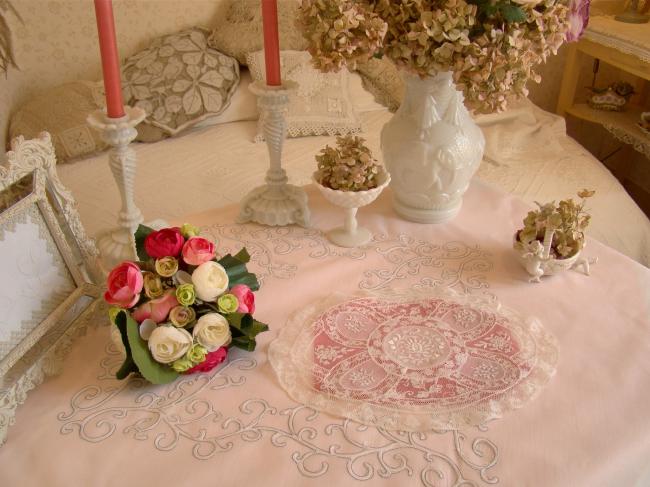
(118, 244)
(276, 202)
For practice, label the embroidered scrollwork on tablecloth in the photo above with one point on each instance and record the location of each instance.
(182, 415)
(415, 361)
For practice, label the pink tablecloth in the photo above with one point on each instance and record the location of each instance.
(589, 427)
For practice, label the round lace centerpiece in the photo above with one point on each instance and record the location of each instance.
(413, 362)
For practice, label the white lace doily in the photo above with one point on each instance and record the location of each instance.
(415, 361)
(627, 38)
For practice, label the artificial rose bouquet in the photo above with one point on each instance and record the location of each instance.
(180, 308)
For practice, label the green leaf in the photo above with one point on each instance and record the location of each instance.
(140, 234)
(243, 256)
(245, 343)
(512, 13)
(245, 324)
(151, 370)
(237, 272)
(129, 365)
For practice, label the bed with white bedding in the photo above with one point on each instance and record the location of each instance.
(528, 154)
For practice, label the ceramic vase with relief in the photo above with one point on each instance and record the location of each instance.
(431, 148)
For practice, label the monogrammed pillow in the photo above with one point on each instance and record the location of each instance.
(322, 104)
(179, 81)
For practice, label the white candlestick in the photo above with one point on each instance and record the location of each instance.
(118, 245)
(276, 202)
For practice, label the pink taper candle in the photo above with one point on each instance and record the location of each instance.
(271, 42)
(110, 58)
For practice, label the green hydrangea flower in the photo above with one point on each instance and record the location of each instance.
(112, 313)
(182, 364)
(188, 230)
(197, 353)
(228, 303)
(185, 294)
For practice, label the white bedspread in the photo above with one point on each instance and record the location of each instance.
(528, 154)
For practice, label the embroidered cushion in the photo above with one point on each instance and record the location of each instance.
(61, 111)
(239, 31)
(322, 104)
(179, 81)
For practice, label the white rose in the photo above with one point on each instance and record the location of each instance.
(168, 343)
(210, 281)
(212, 331)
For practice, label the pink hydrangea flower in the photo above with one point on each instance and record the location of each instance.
(245, 297)
(578, 19)
(198, 250)
(124, 285)
(156, 309)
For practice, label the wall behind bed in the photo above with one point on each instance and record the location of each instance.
(57, 41)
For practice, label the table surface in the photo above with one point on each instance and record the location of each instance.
(236, 426)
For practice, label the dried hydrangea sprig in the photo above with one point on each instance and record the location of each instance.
(340, 33)
(492, 46)
(567, 219)
(347, 167)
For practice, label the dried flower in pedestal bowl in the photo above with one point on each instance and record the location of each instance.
(553, 237)
(349, 177)
(348, 167)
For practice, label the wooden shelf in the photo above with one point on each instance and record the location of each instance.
(623, 125)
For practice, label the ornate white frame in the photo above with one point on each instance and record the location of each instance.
(27, 364)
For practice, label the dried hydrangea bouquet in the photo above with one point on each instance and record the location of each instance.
(486, 48)
(349, 177)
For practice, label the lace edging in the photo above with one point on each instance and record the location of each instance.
(288, 372)
(306, 130)
(48, 364)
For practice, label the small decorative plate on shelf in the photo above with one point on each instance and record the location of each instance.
(414, 361)
(644, 124)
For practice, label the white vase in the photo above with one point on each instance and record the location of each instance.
(431, 148)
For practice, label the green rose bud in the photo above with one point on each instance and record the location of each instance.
(188, 230)
(112, 313)
(182, 364)
(167, 266)
(197, 353)
(182, 316)
(185, 294)
(228, 303)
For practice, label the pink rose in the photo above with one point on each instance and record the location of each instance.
(198, 250)
(167, 242)
(124, 285)
(245, 297)
(156, 309)
(211, 361)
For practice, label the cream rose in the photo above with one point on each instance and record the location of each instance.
(212, 331)
(210, 281)
(168, 343)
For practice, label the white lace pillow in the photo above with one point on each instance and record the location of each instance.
(179, 81)
(322, 105)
